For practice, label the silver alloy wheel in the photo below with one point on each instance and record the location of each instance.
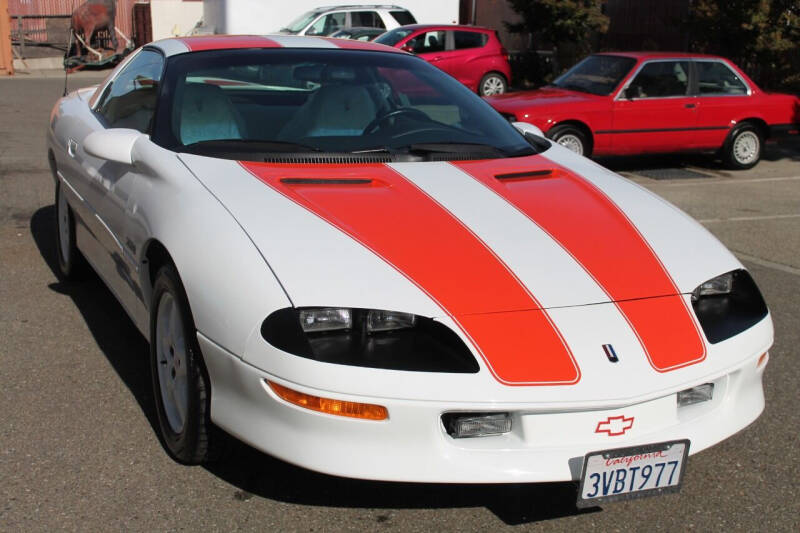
(573, 142)
(171, 360)
(63, 226)
(746, 147)
(493, 85)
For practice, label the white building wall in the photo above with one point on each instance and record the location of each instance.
(174, 17)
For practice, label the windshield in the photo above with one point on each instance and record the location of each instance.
(247, 104)
(391, 38)
(300, 22)
(599, 74)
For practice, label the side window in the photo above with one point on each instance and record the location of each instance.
(369, 19)
(130, 101)
(469, 39)
(430, 41)
(716, 78)
(328, 24)
(403, 17)
(659, 79)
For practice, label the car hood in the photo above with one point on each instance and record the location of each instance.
(546, 96)
(556, 229)
(486, 246)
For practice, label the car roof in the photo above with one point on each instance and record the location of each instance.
(356, 7)
(416, 27)
(182, 45)
(659, 55)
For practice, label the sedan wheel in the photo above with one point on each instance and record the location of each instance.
(180, 384)
(742, 150)
(570, 137)
(492, 84)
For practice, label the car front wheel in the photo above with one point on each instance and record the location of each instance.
(181, 388)
(570, 137)
(742, 150)
(492, 84)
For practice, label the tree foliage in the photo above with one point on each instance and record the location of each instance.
(571, 26)
(762, 36)
(556, 21)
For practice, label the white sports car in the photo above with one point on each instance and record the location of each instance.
(344, 258)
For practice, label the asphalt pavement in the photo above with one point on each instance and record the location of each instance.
(78, 444)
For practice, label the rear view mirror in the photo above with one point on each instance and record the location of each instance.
(115, 144)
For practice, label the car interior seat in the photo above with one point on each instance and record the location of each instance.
(206, 113)
(340, 107)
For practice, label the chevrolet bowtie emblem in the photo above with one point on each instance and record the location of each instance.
(614, 425)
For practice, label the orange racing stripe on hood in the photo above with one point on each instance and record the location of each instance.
(423, 241)
(601, 238)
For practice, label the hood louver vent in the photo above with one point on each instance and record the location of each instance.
(324, 181)
(529, 175)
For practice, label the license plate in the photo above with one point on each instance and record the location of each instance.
(636, 472)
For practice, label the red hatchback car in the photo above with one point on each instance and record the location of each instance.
(637, 102)
(472, 55)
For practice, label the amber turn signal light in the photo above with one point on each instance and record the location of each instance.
(366, 411)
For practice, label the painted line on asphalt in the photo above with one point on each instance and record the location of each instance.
(767, 263)
(720, 181)
(746, 219)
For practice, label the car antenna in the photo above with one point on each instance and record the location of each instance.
(66, 72)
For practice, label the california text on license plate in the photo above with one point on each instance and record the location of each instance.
(635, 472)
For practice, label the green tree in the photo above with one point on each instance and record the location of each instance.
(762, 36)
(570, 26)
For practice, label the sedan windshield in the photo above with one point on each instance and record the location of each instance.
(599, 74)
(254, 104)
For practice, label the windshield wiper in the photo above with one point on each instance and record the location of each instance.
(247, 145)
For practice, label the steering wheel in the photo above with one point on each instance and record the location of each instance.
(377, 122)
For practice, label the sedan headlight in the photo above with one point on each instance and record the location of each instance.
(373, 338)
(727, 305)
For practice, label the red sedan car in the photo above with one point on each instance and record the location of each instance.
(472, 55)
(642, 102)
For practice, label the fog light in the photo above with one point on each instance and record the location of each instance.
(701, 393)
(463, 425)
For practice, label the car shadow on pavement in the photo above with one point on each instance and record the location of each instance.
(258, 475)
(255, 474)
(115, 334)
(788, 149)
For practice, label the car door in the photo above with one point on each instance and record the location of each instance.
(129, 102)
(365, 19)
(656, 111)
(467, 61)
(721, 95)
(432, 46)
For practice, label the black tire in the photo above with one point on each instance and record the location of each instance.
(743, 147)
(196, 441)
(492, 83)
(571, 137)
(71, 264)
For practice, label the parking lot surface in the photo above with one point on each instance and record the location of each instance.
(78, 444)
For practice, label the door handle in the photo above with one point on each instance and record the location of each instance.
(689, 106)
(72, 147)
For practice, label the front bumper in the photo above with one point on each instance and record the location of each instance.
(545, 444)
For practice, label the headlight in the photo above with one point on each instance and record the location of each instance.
(727, 305)
(373, 338)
